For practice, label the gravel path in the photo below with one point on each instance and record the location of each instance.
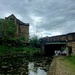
(60, 66)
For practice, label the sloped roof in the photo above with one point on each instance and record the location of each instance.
(11, 15)
(22, 23)
(18, 21)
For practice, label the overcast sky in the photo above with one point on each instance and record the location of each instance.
(46, 17)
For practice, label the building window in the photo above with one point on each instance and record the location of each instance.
(12, 19)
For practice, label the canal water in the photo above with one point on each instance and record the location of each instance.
(33, 70)
(24, 66)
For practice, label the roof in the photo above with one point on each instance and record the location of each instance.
(22, 23)
(18, 21)
(71, 33)
(11, 15)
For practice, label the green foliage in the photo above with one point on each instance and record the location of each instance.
(63, 48)
(13, 42)
(35, 42)
(18, 42)
(27, 51)
(9, 29)
(71, 59)
(11, 51)
(22, 37)
(0, 28)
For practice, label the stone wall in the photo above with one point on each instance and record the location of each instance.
(72, 44)
(25, 30)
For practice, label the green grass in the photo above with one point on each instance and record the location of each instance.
(27, 50)
(70, 59)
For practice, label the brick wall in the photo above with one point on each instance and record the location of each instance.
(25, 30)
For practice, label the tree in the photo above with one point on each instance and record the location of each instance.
(22, 37)
(0, 28)
(8, 30)
(34, 41)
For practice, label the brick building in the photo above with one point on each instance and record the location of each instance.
(22, 28)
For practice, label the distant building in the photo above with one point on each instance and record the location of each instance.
(22, 28)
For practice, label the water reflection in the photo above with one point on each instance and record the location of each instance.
(22, 66)
(33, 70)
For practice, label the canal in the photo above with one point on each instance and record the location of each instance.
(25, 65)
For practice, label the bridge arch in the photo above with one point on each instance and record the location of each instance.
(49, 48)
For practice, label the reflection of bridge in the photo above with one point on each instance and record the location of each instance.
(49, 44)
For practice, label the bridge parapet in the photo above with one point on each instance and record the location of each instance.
(60, 38)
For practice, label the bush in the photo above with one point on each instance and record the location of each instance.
(34, 42)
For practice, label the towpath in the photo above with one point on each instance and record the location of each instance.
(60, 66)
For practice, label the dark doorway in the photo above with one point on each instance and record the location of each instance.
(50, 48)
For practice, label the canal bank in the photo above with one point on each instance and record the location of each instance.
(62, 66)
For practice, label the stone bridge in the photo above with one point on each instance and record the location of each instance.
(50, 44)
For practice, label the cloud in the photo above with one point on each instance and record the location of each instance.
(57, 16)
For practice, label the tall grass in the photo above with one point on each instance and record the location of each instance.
(71, 59)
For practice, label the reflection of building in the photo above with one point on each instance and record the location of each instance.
(22, 28)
